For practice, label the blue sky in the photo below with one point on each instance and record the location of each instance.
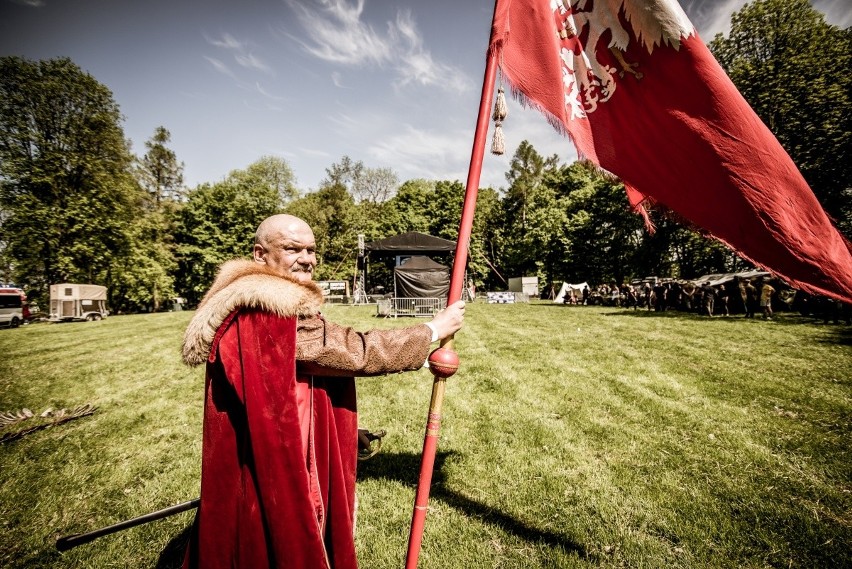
(393, 84)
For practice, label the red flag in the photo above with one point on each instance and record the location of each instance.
(641, 96)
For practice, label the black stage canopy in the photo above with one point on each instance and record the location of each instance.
(411, 243)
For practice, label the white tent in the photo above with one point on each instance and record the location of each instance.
(718, 279)
(566, 290)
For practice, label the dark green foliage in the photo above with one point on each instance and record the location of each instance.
(217, 223)
(159, 172)
(409, 209)
(336, 221)
(66, 192)
(601, 233)
(533, 219)
(793, 69)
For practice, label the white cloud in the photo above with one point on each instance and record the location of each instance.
(417, 65)
(263, 106)
(716, 18)
(336, 33)
(267, 94)
(445, 155)
(241, 53)
(414, 145)
(220, 67)
(337, 80)
(344, 120)
(227, 42)
(251, 61)
(442, 151)
(315, 153)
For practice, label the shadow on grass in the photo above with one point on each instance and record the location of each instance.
(405, 467)
(172, 555)
(839, 332)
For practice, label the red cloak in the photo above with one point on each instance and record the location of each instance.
(256, 510)
(280, 442)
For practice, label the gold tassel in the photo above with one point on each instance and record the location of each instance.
(500, 112)
(498, 145)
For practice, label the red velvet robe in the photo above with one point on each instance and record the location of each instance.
(269, 497)
(256, 511)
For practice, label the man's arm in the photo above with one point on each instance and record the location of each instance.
(325, 348)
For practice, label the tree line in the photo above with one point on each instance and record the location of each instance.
(76, 205)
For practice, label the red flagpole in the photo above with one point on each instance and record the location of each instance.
(444, 361)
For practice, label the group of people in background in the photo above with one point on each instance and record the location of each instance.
(744, 296)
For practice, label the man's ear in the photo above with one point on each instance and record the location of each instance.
(259, 253)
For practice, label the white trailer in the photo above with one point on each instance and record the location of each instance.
(526, 285)
(70, 301)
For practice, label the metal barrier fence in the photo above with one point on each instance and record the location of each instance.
(422, 307)
(506, 297)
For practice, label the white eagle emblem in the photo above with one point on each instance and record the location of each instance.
(580, 25)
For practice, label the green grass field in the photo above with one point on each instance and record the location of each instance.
(572, 437)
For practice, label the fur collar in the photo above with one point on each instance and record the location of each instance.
(245, 284)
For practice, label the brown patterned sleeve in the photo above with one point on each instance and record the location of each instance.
(325, 348)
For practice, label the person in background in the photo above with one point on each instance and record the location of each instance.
(766, 292)
(751, 298)
(708, 299)
(723, 300)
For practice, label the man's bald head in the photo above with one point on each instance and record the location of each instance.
(286, 244)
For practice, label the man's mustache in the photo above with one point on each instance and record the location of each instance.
(299, 268)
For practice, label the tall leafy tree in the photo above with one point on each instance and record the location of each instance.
(271, 172)
(445, 213)
(534, 214)
(376, 185)
(676, 250)
(143, 277)
(370, 190)
(601, 233)
(605, 242)
(217, 223)
(525, 176)
(336, 221)
(793, 69)
(160, 173)
(409, 209)
(345, 173)
(65, 186)
(486, 239)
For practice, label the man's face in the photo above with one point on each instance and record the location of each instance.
(290, 250)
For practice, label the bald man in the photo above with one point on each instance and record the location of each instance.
(280, 424)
